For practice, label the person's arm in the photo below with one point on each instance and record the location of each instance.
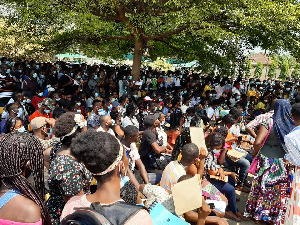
(222, 157)
(119, 131)
(142, 170)
(261, 135)
(47, 157)
(251, 132)
(133, 179)
(158, 149)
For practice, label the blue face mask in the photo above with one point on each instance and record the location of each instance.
(216, 84)
(50, 132)
(160, 99)
(21, 129)
(58, 99)
(28, 100)
(238, 98)
(7, 62)
(79, 77)
(271, 90)
(20, 71)
(37, 67)
(20, 112)
(287, 89)
(130, 78)
(95, 77)
(110, 107)
(253, 89)
(54, 72)
(23, 102)
(42, 76)
(40, 94)
(78, 103)
(78, 111)
(124, 78)
(47, 111)
(96, 95)
(135, 96)
(100, 77)
(190, 118)
(101, 112)
(34, 75)
(8, 71)
(137, 112)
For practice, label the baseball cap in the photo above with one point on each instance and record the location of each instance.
(38, 122)
(150, 119)
(48, 102)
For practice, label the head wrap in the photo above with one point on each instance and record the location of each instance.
(283, 123)
(114, 164)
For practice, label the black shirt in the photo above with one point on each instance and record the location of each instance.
(145, 148)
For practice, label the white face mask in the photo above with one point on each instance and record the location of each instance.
(21, 129)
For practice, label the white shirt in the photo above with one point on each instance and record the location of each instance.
(212, 112)
(130, 121)
(177, 82)
(133, 153)
(292, 143)
(184, 108)
(219, 91)
(235, 91)
(110, 131)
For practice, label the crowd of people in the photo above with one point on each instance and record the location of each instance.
(73, 135)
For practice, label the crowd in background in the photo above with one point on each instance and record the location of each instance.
(94, 133)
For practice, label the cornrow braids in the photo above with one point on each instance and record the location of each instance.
(17, 149)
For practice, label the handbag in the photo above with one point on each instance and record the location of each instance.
(253, 165)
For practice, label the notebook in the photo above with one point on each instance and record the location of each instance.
(161, 216)
(187, 195)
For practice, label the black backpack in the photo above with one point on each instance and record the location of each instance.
(114, 214)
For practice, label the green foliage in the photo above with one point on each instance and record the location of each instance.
(212, 32)
(160, 63)
(258, 69)
(285, 70)
(296, 72)
(248, 68)
(273, 69)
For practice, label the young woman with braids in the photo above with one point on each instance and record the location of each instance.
(67, 177)
(20, 202)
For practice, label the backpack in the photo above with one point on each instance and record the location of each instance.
(114, 214)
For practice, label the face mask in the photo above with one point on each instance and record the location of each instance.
(34, 75)
(50, 132)
(190, 118)
(8, 71)
(40, 94)
(210, 95)
(216, 84)
(101, 112)
(155, 109)
(47, 111)
(123, 181)
(21, 129)
(28, 100)
(78, 111)
(125, 104)
(71, 74)
(110, 107)
(96, 95)
(113, 122)
(135, 96)
(54, 72)
(137, 112)
(20, 71)
(95, 77)
(79, 77)
(20, 113)
(85, 123)
(42, 76)
(58, 99)
(287, 89)
(198, 98)
(130, 78)
(181, 93)
(23, 102)
(257, 82)
(37, 67)
(253, 89)
(124, 78)
(100, 77)
(271, 90)
(78, 103)
(238, 98)
(261, 88)
(160, 99)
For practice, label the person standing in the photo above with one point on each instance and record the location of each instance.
(292, 142)
(270, 186)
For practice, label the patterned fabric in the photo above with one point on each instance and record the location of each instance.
(254, 124)
(283, 123)
(292, 143)
(210, 191)
(211, 163)
(67, 177)
(293, 206)
(173, 171)
(269, 191)
(93, 120)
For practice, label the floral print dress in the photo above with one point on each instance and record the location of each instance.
(67, 177)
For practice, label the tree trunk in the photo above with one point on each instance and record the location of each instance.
(137, 58)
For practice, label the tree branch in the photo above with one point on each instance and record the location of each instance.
(167, 34)
(176, 48)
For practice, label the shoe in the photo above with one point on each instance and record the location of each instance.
(247, 184)
(242, 189)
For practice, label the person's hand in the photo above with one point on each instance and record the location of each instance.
(234, 176)
(204, 211)
(50, 121)
(221, 174)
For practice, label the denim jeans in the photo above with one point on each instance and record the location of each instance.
(243, 164)
(228, 190)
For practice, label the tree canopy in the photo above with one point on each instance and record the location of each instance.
(214, 32)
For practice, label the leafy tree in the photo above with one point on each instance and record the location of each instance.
(296, 72)
(248, 68)
(160, 63)
(273, 69)
(258, 69)
(213, 32)
(285, 70)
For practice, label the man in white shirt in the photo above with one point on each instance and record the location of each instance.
(212, 111)
(105, 123)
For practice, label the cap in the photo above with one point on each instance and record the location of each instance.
(38, 122)
(48, 102)
(150, 119)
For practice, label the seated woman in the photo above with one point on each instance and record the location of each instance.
(67, 177)
(116, 117)
(105, 157)
(20, 202)
(217, 142)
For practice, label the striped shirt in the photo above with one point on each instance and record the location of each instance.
(173, 171)
(292, 143)
(255, 124)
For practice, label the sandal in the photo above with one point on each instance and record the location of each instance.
(242, 217)
(247, 184)
(242, 189)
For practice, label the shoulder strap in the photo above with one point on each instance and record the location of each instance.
(7, 197)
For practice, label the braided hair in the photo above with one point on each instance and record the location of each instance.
(15, 151)
(11, 123)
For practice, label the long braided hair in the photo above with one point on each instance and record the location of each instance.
(16, 150)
